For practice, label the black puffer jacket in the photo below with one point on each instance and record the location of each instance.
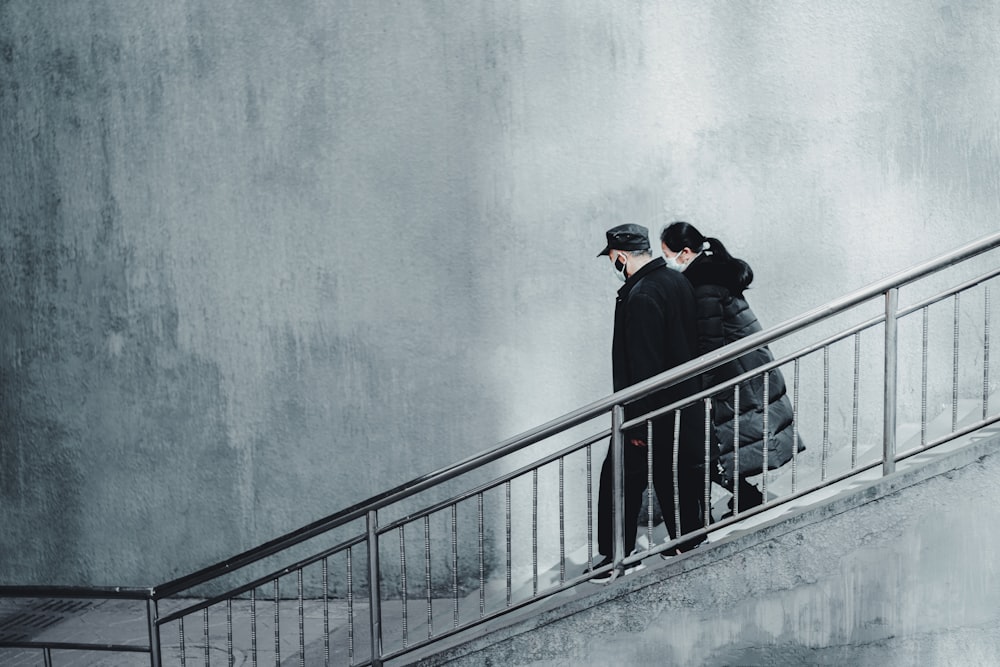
(724, 316)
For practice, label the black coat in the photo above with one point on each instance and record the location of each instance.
(655, 330)
(724, 316)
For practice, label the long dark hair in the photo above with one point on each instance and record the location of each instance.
(680, 235)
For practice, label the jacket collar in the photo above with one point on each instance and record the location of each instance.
(646, 269)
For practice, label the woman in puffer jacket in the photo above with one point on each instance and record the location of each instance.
(724, 316)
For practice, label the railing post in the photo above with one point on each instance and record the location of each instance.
(374, 592)
(618, 466)
(152, 613)
(891, 360)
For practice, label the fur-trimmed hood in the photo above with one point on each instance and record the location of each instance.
(707, 269)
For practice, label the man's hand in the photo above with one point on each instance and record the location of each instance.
(636, 442)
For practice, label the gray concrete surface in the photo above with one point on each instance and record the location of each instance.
(261, 260)
(898, 570)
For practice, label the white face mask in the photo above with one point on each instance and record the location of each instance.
(618, 268)
(674, 264)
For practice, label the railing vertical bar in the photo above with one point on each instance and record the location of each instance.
(326, 612)
(736, 449)
(649, 483)
(152, 614)
(277, 623)
(765, 434)
(47, 656)
(618, 467)
(302, 621)
(925, 317)
(534, 532)
(676, 473)
(403, 587)
(795, 425)
(427, 576)
(954, 367)
(826, 413)
(708, 461)
(891, 360)
(510, 563)
(374, 588)
(482, 555)
(253, 626)
(183, 644)
(986, 351)
(350, 605)
(229, 633)
(208, 639)
(855, 412)
(454, 563)
(562, 521)
(590, 506)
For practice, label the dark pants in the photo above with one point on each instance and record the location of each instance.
(690, 487)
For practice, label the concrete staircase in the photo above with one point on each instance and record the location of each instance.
(871, 571)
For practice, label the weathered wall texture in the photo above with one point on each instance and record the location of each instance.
(261, 260)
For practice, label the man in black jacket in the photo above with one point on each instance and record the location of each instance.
(655, 330)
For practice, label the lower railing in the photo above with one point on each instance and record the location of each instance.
(501, 530)
(41, 620)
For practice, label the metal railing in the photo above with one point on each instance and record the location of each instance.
(33, 608)
(503, 529)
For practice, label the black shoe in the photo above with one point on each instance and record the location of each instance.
(683, 548)
(604, 577)
(601, 577)
(750, 497)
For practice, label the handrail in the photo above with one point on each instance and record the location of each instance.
(812, 347)
(579, 416)
(831, 309)
(77, 592)
(78, 646)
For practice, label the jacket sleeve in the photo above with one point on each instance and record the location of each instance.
(647, 357)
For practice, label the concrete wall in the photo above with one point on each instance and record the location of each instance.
(901, 571)
(262, 260)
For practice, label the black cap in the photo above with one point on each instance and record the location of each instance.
(626, 237)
